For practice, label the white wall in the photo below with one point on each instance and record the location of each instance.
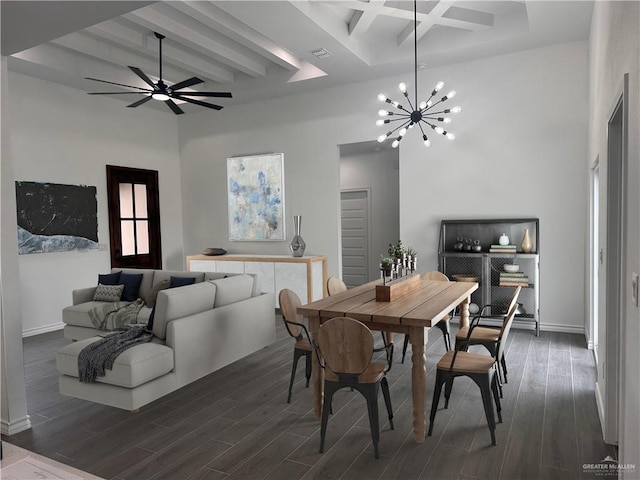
(377, 171)
(615, 51)
(520, 151)
(62, 135)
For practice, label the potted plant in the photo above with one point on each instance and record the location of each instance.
(386, 265)
(397, 250)
(412, 258)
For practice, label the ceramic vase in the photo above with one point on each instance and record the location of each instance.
(297, 244)
(526, 244)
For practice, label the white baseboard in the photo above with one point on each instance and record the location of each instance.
(46, 329)
(15, 427)
(600, 406)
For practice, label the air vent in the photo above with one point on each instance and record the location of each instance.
(322, 53)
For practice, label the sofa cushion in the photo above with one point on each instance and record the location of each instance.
(175, 303)
(150, 299)
(108, 293)
(131, 282)
(133, 367)
(109, 278)
(78, 315)
(232, 289)
(148, 279)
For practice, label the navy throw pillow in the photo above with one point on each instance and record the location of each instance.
(109, 278)
(131, 282)
(181, 281)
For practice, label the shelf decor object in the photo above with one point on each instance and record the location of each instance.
(498, 269)
(424, 111)
(297, 244)
(255, 187)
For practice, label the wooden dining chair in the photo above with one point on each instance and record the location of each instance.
(488, 336)
(482, 369)
(335, 285)
(289, 303)
(345, 347)
(443, 324)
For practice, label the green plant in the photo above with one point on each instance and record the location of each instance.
(411, 251)
(386, 262)
(396, 251)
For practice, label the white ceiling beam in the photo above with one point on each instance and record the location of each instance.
(361, 20)
(121, 34)
(222, 22)
(184, 34)
(88, 45)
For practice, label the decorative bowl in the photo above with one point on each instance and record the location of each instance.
(214, 251)
(511, 267)
(465, 277)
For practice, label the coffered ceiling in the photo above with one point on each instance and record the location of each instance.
(265, 49)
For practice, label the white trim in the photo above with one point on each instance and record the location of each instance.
(15, 427)
(46, 329)
(600, 407)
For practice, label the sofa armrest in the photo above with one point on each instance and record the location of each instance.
(207, 341)
(83, 295)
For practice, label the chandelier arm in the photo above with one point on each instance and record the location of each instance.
(399, 127)
(433, 105)
(437, 113)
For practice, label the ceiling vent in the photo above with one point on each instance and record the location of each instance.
(322, 53)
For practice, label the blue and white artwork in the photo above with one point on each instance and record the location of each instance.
(256, 197)
(56, 218)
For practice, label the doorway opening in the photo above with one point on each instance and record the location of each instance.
(370, 206)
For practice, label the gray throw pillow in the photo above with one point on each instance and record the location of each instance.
(108, 293)
(150, 298)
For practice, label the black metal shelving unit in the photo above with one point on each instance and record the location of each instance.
(487, 266)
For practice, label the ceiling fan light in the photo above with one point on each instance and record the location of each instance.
(163, 97)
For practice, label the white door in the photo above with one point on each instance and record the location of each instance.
(355, 236)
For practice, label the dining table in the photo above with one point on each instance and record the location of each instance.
(412, 313)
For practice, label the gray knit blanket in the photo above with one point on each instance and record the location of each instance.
(112, 315)
(99, 356)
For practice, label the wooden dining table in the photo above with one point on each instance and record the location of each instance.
(412, 313)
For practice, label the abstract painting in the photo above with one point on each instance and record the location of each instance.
(56, 218)
(256, 197)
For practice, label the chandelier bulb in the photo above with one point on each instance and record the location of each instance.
(447, 120)
(402, 87)
(451, 94)
(429, 103)
(382, 138)
(396, 104)
(439, 86)
(383, 113)
(395, 144)
(402, 132)
(379, 122)
(382, 97)
(439, 130)
(456, 109)
(423, 105)
(451, 136)
(410, 125)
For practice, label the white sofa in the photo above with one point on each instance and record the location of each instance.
(197, 329)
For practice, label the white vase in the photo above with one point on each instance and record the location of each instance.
(503, 240)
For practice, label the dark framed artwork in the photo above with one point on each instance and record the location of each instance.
(54, 217)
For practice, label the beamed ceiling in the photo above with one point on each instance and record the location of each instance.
(264, 49)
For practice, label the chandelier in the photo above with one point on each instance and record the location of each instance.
(418, 113)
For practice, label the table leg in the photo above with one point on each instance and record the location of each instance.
(317, 373)
(464, 312)
(389, 337)
(418, 338)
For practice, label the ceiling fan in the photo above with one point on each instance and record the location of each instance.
(163, 92)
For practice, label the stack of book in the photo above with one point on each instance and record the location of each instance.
(516, 279)
(502, 249)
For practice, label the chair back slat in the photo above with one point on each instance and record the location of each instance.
(514, 299)
(506, 328)
(346, 345)
(289, 303)
(435, 275)
(335, 285)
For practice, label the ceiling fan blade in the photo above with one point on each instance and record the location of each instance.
(186, 83)
(205, 94)
(198, 102)
(119, 84)
(176, 109)
(140, 102)
(118, 93)
(142, 75)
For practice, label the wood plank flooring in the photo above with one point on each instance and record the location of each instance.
(235, 424)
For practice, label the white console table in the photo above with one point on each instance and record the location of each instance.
(306, 276)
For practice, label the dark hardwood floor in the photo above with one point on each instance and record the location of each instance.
(235, 423)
